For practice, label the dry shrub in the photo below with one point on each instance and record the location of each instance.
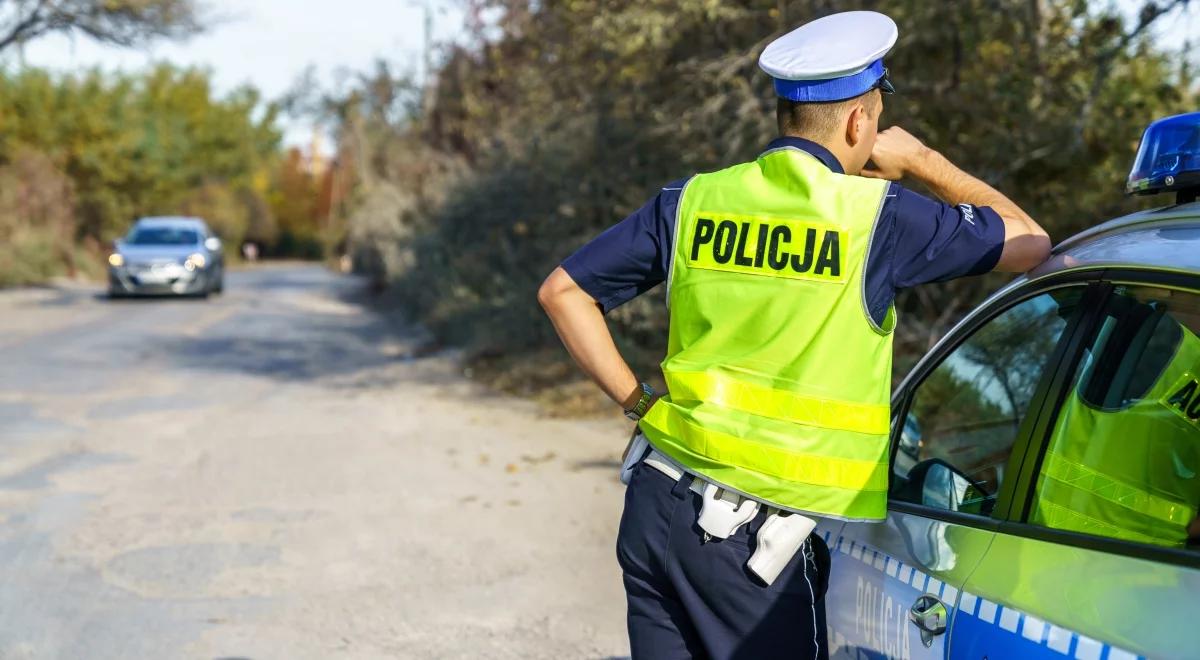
(37, 204)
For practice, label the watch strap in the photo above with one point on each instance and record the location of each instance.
(643, 403)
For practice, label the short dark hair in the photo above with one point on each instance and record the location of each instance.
(819, 120)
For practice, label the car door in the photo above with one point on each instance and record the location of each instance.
(1100, 559)
(960, 423)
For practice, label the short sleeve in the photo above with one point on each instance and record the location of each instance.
(933, 241)
(631, 257)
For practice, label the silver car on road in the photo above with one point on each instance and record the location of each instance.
(167, 256)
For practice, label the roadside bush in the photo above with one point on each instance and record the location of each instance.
(36, 220)
(30, 256)
(380, 232)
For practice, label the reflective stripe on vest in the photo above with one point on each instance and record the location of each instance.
(777, 404)
(778, 380)
(1054, 515)
(1116, 492)
(807, 469)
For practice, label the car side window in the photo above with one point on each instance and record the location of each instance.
(964, 415)
(1123, 460)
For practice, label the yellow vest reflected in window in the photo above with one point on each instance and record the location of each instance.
(1124, 459)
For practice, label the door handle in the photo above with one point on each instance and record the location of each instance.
(929, 615)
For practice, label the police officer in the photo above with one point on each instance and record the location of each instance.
(781, 274)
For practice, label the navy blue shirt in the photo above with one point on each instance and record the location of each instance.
(917, 240)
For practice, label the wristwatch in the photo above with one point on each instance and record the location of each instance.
(643, 403)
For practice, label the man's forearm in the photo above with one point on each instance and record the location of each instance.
(954, 186)
(580, 324)
(1026, 244)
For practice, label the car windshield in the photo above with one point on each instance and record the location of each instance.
(163, 236)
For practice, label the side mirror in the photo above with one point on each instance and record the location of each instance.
(945, 487)
(212, 244)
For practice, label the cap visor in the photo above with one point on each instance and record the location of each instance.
(885, 84)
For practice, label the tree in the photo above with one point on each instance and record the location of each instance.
(295, 194)
(119, 22)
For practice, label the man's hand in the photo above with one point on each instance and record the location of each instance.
(895, 154)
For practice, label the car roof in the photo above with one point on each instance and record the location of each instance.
(1166, 238)
(172, 221)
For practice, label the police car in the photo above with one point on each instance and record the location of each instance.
(1046, 457)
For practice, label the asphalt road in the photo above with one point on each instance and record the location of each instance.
(277, 473)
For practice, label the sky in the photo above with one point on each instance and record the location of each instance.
(269, 43)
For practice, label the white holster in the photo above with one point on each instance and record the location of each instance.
(722, 512)
(778, 540)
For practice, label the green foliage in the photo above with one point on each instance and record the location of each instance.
(293, 200)
(135, 145)
(571, 113)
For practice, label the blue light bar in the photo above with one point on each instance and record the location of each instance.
(1168, 158)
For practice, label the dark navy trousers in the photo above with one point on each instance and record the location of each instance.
(694, 599)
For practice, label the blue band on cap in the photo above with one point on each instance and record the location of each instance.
(832, 89)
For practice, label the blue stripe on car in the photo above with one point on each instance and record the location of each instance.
(1003, 631)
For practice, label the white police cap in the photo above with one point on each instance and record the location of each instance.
(833, 58)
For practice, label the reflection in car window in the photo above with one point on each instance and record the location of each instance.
(1125, 451)
(956, 439)
(163, 236)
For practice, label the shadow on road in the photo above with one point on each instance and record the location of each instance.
(307, 325)
(598, 464)
(145, 298)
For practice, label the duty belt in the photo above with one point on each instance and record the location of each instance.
(663, 463)
(723, 512)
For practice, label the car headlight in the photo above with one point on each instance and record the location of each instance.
(194, 262)
(116, 260)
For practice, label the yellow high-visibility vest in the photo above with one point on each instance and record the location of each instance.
(778, 378)
(1129, 472)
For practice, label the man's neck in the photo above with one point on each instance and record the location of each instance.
(840, 151)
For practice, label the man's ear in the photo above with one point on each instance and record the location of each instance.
(855, 123)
